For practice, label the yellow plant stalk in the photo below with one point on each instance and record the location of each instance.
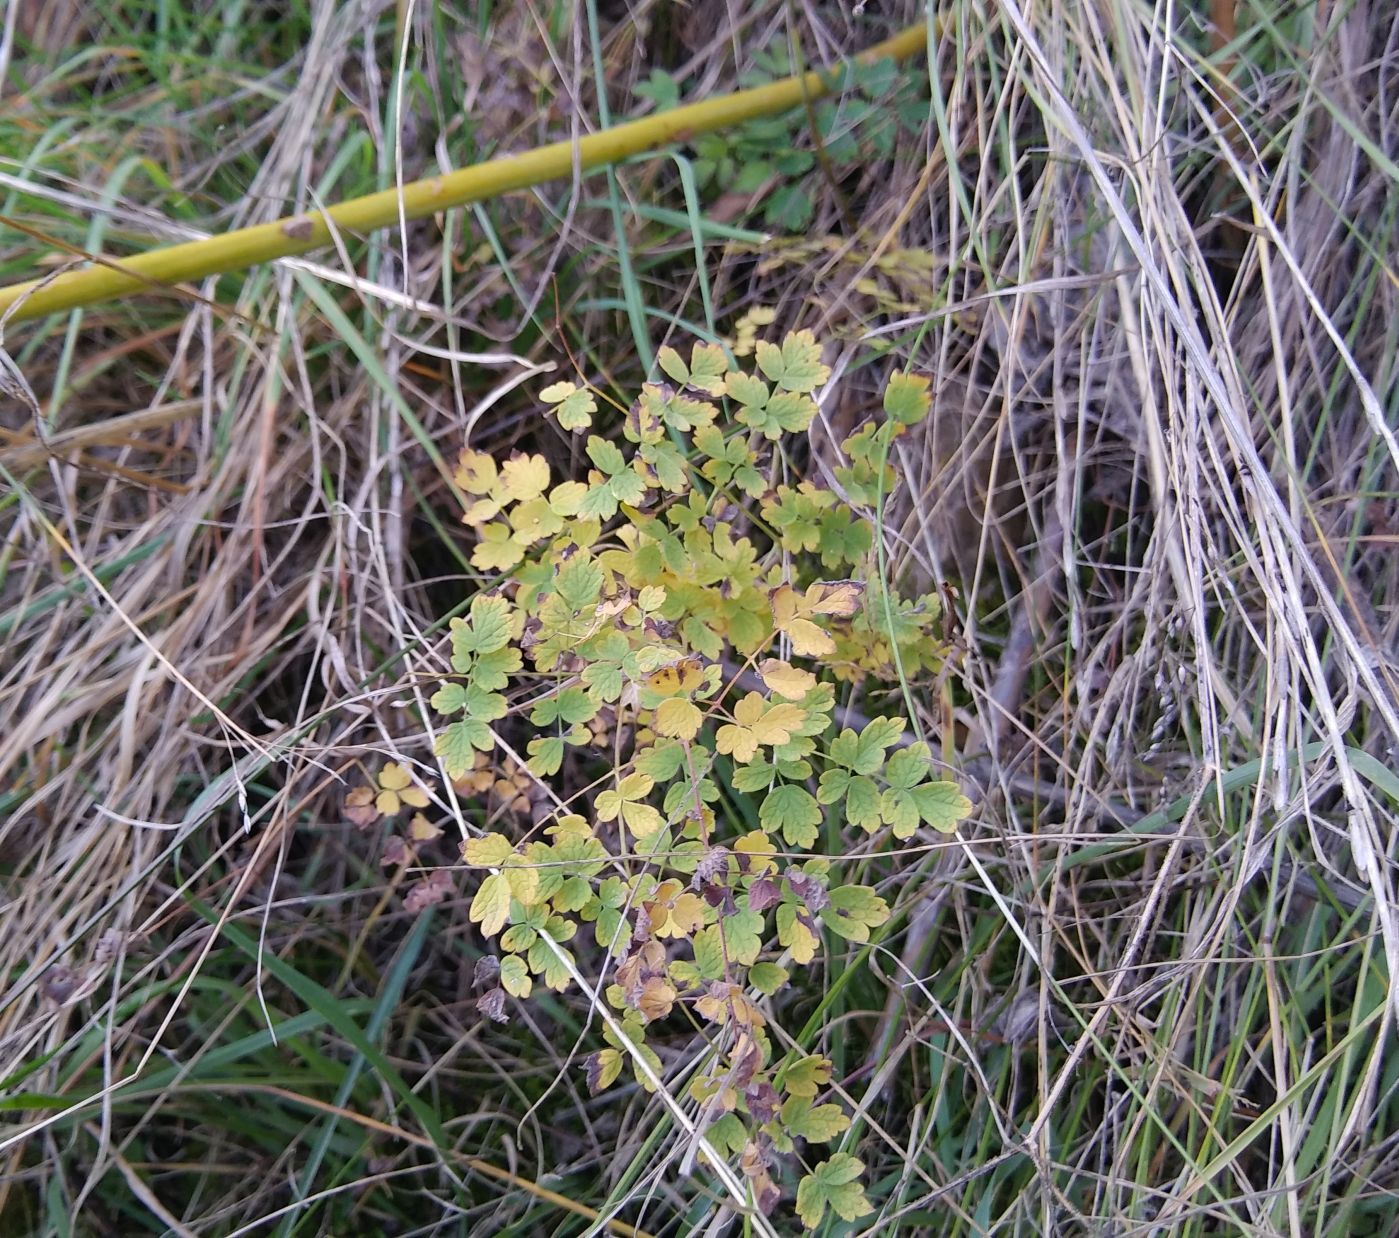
(285, 238)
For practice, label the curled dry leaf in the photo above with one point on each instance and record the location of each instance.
(396, 852)
(359, 807)
(426, 893)
(492, 1004)
(785, 679)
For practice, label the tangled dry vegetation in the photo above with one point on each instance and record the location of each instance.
(1146, 256)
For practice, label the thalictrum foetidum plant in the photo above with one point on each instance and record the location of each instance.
(672, 630)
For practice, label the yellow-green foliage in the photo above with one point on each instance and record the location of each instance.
(706, 605)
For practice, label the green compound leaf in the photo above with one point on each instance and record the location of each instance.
(458, 742)
(796, 366)
(906, 398)
(491, 906)
(573, 408)
(514, 976)
(545, 756)
(814, 1123)
(853, 911)
(686, 544)
(450, 698)
(806, 1076)
(488, 629)
(705, 371)
(795, 812)
(578, 583)
(908, 767)
(941, 805)
(833, 1184)
(492, 671)
(768, 977)
(743, 936)
(708, 946)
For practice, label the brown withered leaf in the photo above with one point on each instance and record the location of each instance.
(714, 1005)
(746, 1060)
(763, 1101)
(396, 851)
(763, 893)
(836, 597)
(755, 1158)
(492, 1004)
(431, 890)
(359, 807)
(656, 999)
(59, 984)
(712, 864)
(811, 892)
(720, 896)
(487, 972)
(766, 1194)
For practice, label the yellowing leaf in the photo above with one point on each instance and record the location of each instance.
(514, 976)
(534, 520)
(808, 640)
(567, 497)
(397, 789)
(393, 777)
(488, 851)
(603, 1069)
(678, 718)
(814, 1123)
(476, 472)
(806, 1076)
(642, 820)
(683, 675)
(786, 604)
(491, 906)
(724, 1000)
(785, 679)
(656, 999)
(481, 511)
(746, 328)
(670, 361)
(755, 851)
(573, 408)
(756, 722)
(796, 366)
(906, 398)
(524, 477)
(523, 883)
(795, 934)
(736, 741)
(779, 723)
(682, 917)
(496, 551)
(835, 597)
